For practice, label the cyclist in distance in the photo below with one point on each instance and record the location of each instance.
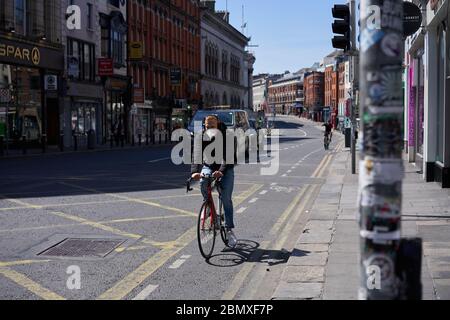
(328, 130)
(220, 171)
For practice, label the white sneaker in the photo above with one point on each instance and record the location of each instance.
(232, 240)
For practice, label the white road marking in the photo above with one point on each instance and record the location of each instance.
(253, 200)
(146, 292)
(263, 192)
(179, 262)
(273, 184)
(159, 160)
(289, 171)
(241, 210)
(284, 175)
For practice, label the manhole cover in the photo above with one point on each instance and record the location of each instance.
(82, 248)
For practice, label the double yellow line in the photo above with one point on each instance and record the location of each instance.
(287, 221)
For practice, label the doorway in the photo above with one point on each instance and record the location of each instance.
(52, 121)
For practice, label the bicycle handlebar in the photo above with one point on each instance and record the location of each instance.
(209, 177)
(188, 185)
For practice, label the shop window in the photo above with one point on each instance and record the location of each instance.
(83, 118)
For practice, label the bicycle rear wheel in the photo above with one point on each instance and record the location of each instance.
(206, 231)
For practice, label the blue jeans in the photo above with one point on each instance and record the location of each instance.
(227, 184)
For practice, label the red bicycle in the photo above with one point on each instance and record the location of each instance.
(209, 222)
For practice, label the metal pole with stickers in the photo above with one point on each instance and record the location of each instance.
(390, 267)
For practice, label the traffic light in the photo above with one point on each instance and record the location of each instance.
(341, 26)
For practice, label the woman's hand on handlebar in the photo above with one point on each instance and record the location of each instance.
(218, 175)
(196, 176)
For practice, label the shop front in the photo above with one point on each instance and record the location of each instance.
(141, 119)
(115, 114)
(30, 113)
(436, 63)
(162, 124)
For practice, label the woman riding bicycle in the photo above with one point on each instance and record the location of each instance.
(221, 171)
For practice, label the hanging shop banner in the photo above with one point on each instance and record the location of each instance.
(105, 67)
(138, 96)
(412, 18)
(136, 50)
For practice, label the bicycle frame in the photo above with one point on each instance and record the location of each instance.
(212, 206)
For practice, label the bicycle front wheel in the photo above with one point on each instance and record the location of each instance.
(206, 231)
(223, 231)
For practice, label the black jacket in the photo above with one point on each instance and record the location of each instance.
(222, 166)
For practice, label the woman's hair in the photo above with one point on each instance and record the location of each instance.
(212, 116)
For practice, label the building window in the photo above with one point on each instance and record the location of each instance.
(19, 16)
(89, 16)
(105, 43)
(83, 55)
(117, 47)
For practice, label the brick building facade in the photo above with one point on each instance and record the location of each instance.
(167, 77)
(315, 94)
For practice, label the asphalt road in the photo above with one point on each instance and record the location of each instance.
(136, 201)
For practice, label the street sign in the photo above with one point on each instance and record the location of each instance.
(105, 67)
(51, 82)
(5, 95)
(412, 18)
(175, 76)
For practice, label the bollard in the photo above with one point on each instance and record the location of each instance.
(24, 144)
(146, 139)
(44, 143)
(140, 139)
(75, 142)
(132, 140)
(2, 146)
(160, 138)
(111, 141)
(122, 141)
(61, 142)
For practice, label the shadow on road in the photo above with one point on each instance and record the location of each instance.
(248, 251)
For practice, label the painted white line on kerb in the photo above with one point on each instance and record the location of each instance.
(284, 175)
(241, 210)
(253, 200)
(146, 292)
(289, 171)
(159, 160)
(263, 192)
(179, 262)
(273, 184)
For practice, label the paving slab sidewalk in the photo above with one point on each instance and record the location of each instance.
(325, 263)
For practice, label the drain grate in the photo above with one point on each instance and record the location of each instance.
(82, 248)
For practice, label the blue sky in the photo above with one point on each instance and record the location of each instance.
(291, 34)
